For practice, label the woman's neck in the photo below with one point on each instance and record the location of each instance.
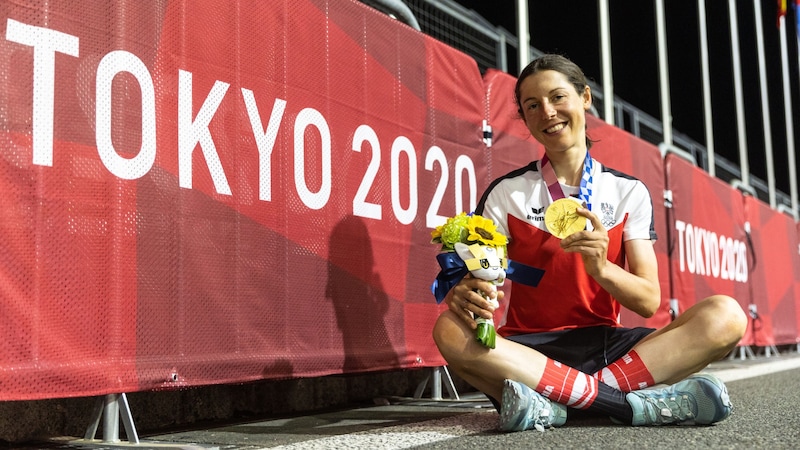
(568, 165)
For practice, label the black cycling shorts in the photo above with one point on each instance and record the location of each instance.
(586, 349)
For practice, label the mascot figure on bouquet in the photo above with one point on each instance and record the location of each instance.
(487, 263)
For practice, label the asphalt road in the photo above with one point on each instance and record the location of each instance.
(765, 394)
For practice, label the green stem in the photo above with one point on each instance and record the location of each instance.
(486, 333)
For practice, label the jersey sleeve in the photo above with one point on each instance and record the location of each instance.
(640, 223)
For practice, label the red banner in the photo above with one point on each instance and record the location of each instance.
(774, 268)
(224, 194)
(709, 249)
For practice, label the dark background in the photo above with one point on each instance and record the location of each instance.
(571, 28)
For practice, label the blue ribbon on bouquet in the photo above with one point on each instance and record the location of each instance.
(454, 269)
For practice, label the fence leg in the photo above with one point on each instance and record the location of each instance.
(110, 409)
(744, 352)
(770, 349)
(437, 375)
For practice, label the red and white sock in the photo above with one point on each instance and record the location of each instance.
(626, 374)
(563, 384)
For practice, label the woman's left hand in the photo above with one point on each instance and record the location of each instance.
(592, 245)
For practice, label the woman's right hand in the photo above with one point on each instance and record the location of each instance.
(466, 303)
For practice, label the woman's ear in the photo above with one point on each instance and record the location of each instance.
(587, 98)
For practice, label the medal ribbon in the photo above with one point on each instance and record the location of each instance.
(554, 187)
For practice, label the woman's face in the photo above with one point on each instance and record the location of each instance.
(553, 111)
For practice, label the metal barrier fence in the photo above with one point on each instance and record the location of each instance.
(490, 45)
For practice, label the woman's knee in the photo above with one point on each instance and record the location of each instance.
(727, 320)
(448, 333)
(440, 329)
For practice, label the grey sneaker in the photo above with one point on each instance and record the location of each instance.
(523, 408)
(701, 399)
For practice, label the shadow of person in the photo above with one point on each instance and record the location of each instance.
(359, 300)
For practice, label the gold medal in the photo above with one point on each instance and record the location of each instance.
(561, 219)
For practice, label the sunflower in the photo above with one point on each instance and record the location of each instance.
(484, 231)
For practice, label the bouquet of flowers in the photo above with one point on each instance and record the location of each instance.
(471, 243)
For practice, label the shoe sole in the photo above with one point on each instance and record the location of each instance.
(717, 399)
(513, 408)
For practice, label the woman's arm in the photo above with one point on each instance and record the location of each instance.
(637, 289)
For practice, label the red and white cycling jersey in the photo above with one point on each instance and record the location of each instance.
(566, 297)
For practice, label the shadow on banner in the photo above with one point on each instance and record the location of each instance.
(361, 305)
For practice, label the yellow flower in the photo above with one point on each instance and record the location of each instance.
(484, 231)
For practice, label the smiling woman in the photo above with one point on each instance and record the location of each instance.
(546, 359)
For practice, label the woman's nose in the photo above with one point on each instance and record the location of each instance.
(548, 111)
